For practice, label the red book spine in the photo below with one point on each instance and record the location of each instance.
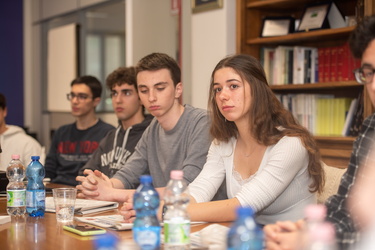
(346, 62)
(355, 63)
(340, 58)
(321, 64)
(327, 64)
(333, 68)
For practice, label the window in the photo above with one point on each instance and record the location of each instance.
(101, 42)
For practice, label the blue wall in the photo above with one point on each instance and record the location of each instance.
(11, 58)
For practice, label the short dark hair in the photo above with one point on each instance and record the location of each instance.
(92, 82)
(3, 101)
(121, 76)
(156, 61)
(362, 35)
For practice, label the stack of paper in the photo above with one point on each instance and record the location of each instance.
(83, 206)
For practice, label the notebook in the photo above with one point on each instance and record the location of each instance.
(83, 206)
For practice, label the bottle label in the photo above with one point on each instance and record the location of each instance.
(16, 198)
(147, 238)
(176, 232)
(35, 198)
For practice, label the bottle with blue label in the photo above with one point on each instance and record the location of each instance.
(245, 233)
(35, 191)
(146, 227)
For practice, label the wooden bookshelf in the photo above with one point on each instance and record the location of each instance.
(302, 36)
(335, 150)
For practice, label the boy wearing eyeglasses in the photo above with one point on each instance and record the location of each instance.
(73, 144)
(118, 145)
(287, 234)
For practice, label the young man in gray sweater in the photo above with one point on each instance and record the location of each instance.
(177, 138)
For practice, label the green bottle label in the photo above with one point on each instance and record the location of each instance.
(177, 233)
(16, 198)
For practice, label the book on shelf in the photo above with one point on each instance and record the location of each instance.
(84, 206)
(355, 126)
(282, 57)
(267, 61)
(298, 64)
(321, 64)
(327, 64)
(333, 68)
(307, 66)
(303, 65)
(349, 117)
(314, 65)
(321, 114)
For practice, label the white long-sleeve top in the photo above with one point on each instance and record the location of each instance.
(279, 190)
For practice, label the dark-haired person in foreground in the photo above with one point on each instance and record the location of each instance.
(73, 144)
(285, 234)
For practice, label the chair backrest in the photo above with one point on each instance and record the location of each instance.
(333, 178)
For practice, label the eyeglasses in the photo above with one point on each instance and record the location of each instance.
(364, 75)
(80, 97)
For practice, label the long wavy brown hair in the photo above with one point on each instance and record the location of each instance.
(266, 115)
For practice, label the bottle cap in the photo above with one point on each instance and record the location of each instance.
(106, 241)
(315, 212)
(177, 174)
(146, 179)
(244, 211)
(15, 157)
(35, 158)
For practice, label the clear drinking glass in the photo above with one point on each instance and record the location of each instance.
(64, 199)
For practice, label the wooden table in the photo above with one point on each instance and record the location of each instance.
(47, 233)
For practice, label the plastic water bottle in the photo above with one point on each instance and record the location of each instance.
(319, 234)
(175, 217)
(322, 237)
(245, 233)
(146, 227)
(315, 215)
(16, 190)
(35, 191)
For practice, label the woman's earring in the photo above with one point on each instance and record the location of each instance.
(225, 119)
